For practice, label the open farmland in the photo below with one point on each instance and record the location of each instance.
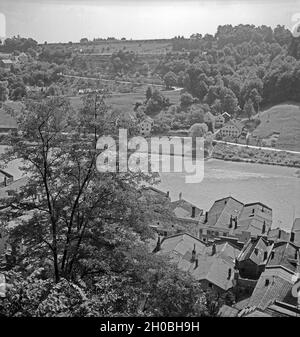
(126, 102)
(136, 46)
(283, 118)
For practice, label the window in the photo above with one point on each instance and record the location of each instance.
(267, 282)
(210, 285)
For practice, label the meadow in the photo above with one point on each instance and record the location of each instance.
(283, 118)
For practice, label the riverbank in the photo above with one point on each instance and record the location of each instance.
(256, 156)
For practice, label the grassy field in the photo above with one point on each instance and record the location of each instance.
(137, 46)
(283, 118)
(126, 102)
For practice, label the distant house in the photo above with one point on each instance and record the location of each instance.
(146, 126)
(6, 64)
(23, 58)
(232, 129)
(219, 121)
(227, 116)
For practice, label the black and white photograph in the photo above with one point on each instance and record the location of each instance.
(149, 162)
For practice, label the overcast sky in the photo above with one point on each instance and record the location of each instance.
(70, 20)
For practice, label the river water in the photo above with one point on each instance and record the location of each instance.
(276, 186)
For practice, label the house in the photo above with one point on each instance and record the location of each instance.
(5, 178)
(6, 63)
(278, 234)
(255, 218)
(227, 116)
(221, 218)
(185, 210)
(146, 126)
(296, 232)
(14, 186)
(212, 265)
(253, 257)
(219, 121)
(23, 58)
(278, 278)
(276, 309)
(230, 217)
(209, 120)
(231, 129)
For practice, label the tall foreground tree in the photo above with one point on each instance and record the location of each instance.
(69, 201)
(81, 235)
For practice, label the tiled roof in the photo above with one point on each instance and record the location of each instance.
(182, 243)
(7, 61)
(227, 311)
(284, 256)
(14, 186)
(278, 288)
(213, 268)
(183, 209)
(221, 211)
(248, 251)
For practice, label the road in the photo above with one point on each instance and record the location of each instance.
(257, 147)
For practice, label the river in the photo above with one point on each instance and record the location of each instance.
(276, 186)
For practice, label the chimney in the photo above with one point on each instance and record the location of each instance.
(229, 273)
(193, 254)
(292, 239)
(213, 249)
(193, 211)
(206, 216)
(235, 222)
(158, 245)
(263, 228)
(180, 195)
(230, 221)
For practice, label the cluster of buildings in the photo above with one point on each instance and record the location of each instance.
(8, 60)
(232, 250)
